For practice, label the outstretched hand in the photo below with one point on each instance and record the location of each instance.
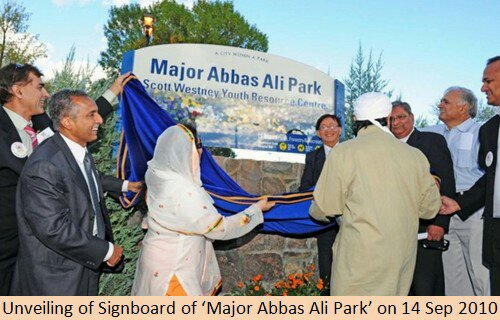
(116, 256)
(265, 205)
(119, 83)
(448, 206)
(134, 186)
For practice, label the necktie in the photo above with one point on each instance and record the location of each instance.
(31, 132)
(87, 163)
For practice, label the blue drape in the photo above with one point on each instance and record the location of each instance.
(143, 122)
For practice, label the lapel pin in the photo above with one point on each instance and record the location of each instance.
(489, 159)
(18, 149)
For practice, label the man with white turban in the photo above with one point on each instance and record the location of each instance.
(381, 187)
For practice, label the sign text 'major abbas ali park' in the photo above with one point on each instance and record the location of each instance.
(238, 98)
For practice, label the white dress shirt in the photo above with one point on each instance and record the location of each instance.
(79, 153)
(20, 123)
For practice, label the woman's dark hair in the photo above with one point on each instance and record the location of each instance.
(197, 140)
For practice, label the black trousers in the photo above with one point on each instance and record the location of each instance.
(495, 268)
(325, 243)
(428, 278)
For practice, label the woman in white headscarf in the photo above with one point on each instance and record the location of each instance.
(177, 257)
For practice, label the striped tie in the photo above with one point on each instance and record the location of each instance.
(31, 132)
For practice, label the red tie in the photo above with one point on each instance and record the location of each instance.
(31, 132)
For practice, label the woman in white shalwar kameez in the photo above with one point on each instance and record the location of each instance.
(177, 257)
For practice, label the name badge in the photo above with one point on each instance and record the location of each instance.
(489, 159)
(44, 134)
(18, 149)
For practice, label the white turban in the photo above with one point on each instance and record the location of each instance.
(371, 106)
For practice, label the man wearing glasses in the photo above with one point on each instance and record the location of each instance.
(328, 128)
(428, 279)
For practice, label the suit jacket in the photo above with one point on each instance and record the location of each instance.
(314, 164)
(58, 254)
(435, 149)
(10, 170)
(482, 193)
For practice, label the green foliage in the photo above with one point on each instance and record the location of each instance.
(128, 235)
(365, 75)
(422, 122)
(71, 77)
(16, 44)
(223, 152)
(207, 22)
(484, 111)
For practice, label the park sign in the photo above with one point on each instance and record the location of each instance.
(238, 98)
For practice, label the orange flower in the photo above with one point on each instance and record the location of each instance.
(257, 278)
(240, 284)
(285, 293)
(311, 267)
(256, 288)
(320, 284)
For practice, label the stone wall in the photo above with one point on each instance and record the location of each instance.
(271, 255)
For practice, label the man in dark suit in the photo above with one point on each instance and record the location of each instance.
(428, 278)
(328, 128)
(23, 95)
(65, 237)
(486, 191)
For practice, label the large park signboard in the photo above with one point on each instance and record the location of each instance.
(238, 98)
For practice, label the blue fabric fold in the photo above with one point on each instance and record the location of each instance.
(143, 120)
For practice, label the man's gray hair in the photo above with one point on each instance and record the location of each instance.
(405, 105)
(61, 105)
(466, 97)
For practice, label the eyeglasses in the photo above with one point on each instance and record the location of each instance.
(399, 117)
(332, 126)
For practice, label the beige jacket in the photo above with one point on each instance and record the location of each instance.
(381, 187)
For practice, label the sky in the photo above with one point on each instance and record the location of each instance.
(426, 45)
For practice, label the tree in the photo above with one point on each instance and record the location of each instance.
(484, 111)
(16, 44)
(207, 22)
(77, 78)
(365, 75)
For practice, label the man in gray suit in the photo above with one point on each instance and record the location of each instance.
(65, 237)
